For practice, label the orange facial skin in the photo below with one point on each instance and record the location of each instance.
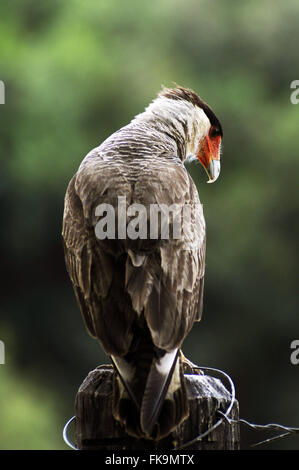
(210, 148)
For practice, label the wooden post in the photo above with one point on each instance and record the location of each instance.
(96, 429)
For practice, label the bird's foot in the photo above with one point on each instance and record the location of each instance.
(189, 367)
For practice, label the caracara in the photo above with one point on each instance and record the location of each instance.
(140, 291)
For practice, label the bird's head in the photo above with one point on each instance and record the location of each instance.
(209, 152)
(203, 129)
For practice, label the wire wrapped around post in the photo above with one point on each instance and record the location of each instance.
(95, 427)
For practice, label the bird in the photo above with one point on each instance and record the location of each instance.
(140, 295)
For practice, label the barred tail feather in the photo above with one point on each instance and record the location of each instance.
(156, 388)
(150, 400)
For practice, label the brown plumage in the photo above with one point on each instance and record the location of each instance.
(140, 297)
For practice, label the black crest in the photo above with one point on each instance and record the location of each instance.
(180, 93)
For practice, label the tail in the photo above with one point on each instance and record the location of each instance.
(150, 397)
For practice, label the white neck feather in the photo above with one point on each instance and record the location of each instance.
(189, 122)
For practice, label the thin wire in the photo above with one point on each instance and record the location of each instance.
(262, 427)
(65, 436)
(197, 438)
(275, 438)
(225, 415)
(278, 427)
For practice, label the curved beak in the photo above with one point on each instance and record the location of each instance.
(209, 157)
(213, 170)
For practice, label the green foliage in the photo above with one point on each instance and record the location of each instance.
(29, 417)
(74, 73)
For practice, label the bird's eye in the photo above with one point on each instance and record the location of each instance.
(214, 131)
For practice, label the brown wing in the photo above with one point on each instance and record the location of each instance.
(77, 257)
(115, 281)
(96, 273)
(175, 269)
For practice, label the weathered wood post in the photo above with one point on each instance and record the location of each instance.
(96, 429)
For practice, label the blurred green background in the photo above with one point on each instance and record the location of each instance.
(74, 73)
